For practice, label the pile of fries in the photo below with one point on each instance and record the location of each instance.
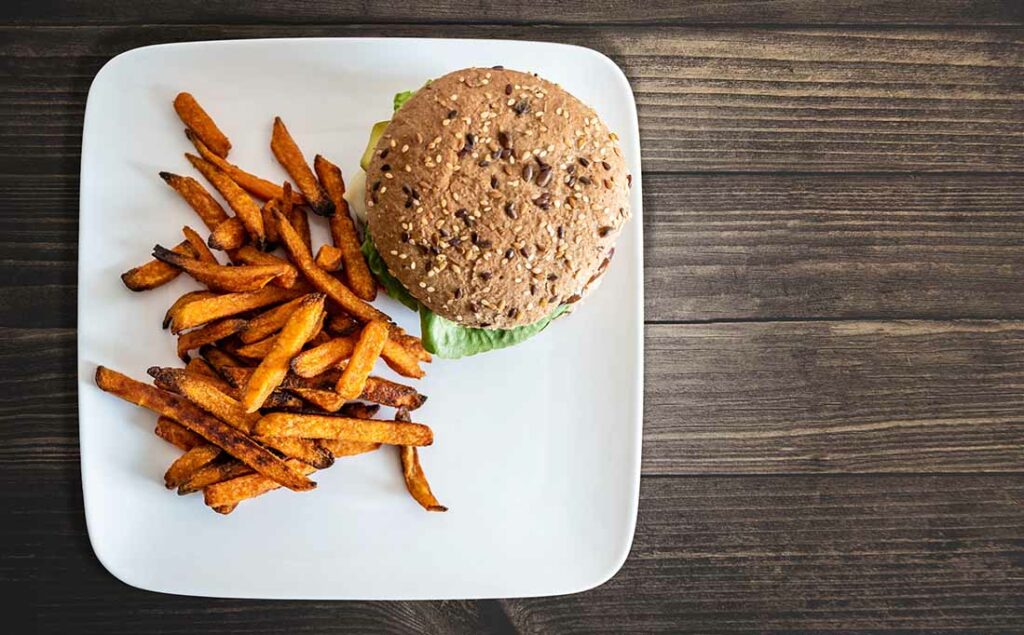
(281, 386)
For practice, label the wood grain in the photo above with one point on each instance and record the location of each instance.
(710, 99)
(838, 246)
(785, 397)
(834, 397)
(711, 554)
(935, 12)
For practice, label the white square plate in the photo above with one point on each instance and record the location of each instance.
(537, 450)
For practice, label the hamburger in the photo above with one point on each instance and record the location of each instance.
(493, 202)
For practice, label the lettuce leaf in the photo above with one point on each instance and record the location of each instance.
(452, 341)
(391, 284)
(445, 338)
(402, 97)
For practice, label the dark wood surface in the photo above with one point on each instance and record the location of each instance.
(834, 222)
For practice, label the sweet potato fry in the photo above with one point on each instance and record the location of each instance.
(203, 310)
(316, 360)
(243, 205)
(339, 448)
(218, 359)
(213, 430)
(308, 451)
(229, 235)
(177, 435)
(415, 479)
(212, 332)
(198, 121)
(257, 350)
(283, 399)
(305, 322)
(155, 273)
(401, 360)
(198, 198)
(189, 463)
(360, 410)
(300, 221)
(203, 371)
(341, 325)
(221, 277)
(251, 256)
(378, 390)
(390, 393)
(269, 322)
(326, 400)
(260, 188)
(230, 493)
(201, 251)
(216, 472)
(267, 212)
(328, 258)
(343, 231)
(410, 343)
(317, 426)
(289, 156)
(323, 281)
(190, 296)
(364, 356)
(229, 410)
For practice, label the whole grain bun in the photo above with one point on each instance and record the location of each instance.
(494, 196)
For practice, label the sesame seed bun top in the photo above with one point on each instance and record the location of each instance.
(494, 196)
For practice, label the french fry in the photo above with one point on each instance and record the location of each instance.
(198, 198)
(267, 212)
(221, 277)
(229, 410)
(340, 448)
(305, 322)
(283, 399)
(203, 371)
(257, 350)
(360, 410)
(218, 359)
(328, 258)
(308, 451)
(317, 426)
(341, 325)
(212, 332)
(323, 281)
(191, 296)
(189, 463)
(222, 435)
(155, 273)
(300, 221)
(197, 120)
(215, 472)
(203, 310)
(229, 235)
(288, 155)
(326, 400)
(377, 389)
(246, 209)
(364, 356)
(229, 493)
(410, 343)
(400, 360)
(390, 393)
(201, 251)
(260, 188)
(251, 256)
(415, 479)
(343, 231)
(176, 434)
(269, 322)
(316, 360)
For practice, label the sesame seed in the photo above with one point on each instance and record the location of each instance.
(405, 147)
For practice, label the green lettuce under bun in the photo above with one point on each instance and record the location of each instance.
(445, 338)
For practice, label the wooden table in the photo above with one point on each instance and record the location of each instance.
(834, 423)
